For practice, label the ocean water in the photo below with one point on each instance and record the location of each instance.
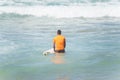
(91, 28)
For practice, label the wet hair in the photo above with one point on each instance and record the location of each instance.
(58, 31)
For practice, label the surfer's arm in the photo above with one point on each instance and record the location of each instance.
(54, 46)
(64, 43)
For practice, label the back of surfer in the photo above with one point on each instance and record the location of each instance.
(59, 43)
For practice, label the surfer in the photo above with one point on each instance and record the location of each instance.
(59, 43)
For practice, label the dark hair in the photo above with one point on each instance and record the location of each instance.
(58, 31)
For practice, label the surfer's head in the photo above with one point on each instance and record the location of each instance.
(59, 32)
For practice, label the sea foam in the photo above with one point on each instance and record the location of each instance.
(64, 11)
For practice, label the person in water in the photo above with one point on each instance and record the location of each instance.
(59, 43)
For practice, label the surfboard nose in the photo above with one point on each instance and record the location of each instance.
(50, 51)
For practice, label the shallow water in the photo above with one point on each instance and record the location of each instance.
(92, 51)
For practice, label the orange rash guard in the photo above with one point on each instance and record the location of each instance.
(59, 42)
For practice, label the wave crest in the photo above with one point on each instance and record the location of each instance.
(55, 2)
(64, 11)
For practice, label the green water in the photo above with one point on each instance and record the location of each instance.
(92, 52)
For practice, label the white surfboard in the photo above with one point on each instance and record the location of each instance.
(50, 51)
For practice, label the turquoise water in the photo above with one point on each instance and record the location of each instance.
(92, 51)
(91, 28)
